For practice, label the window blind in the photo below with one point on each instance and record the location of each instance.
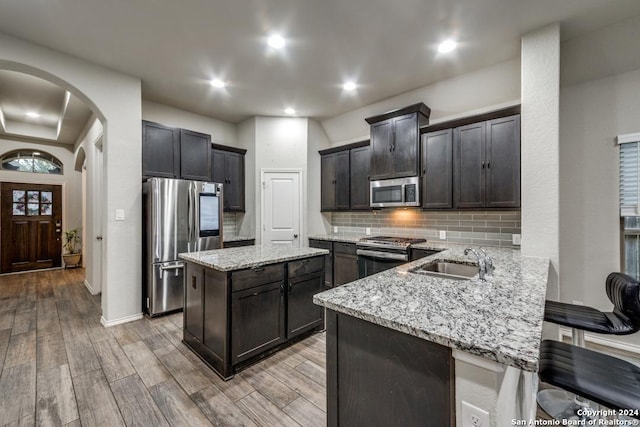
(629, 174)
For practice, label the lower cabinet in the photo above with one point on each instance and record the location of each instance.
(257, 320)
(239, 243)
(328, 259)
(345, 263)
(232, 318)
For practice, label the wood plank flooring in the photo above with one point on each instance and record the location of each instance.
(60, 367)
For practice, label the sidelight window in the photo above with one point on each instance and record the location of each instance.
(31, 161)
(630, 203)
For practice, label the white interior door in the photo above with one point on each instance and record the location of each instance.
(281, 208)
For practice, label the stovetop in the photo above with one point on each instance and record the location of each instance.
(389, 241)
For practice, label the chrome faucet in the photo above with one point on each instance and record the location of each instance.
(482, 267)
(488, 263)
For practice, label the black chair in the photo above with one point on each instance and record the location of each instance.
(600, 378)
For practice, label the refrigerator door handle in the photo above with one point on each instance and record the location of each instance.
(190, 215)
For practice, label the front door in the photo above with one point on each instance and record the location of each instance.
(281, 208)
(31, 219)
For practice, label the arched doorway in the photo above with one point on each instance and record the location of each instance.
(116, 101)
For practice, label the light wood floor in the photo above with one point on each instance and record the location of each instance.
(59, 366)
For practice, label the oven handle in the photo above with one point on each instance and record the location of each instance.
(382, 255)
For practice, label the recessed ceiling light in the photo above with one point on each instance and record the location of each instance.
(447, 46)
(290, 111)
(276, 41)
(32, 114)
(349, 86)
(217, 83)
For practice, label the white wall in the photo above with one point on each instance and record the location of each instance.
(116, 99)
(71, 180)
(483, 90)
(540, 121)
(246, 132)
(221, 132)
(317, 223)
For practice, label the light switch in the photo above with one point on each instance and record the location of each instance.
(119, 214)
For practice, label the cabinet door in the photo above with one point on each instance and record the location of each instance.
(437, 169)
(405, 146)
(342, 180)
(234, 168)
(217, 166)
(381, 150)
(345, 268)
(503, 162)
(327, 182)
(302, 314)
(469, 166)
(328, 260)
(194, 294)
(195, 155)
(257, 320)
(360, 159)
(160, 151)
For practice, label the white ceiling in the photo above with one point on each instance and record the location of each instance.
(388, 47)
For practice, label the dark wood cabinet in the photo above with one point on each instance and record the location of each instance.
(227, 167)
(345, 263)
(334, 181)
(437, 169)
(160, 151)
(328, 259)
(238, 243)
(174, 153)
(193, 301)
(379, 376)
(487, 164)
(306, 278)
(395, 142)
(195, 149)
(257, 320)
(360, 162)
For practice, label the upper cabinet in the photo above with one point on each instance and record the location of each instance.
(334, 181)
(174, 153)
(395, 139)
(437, 169)
(360, 161)
(487, 164)
(227, 167)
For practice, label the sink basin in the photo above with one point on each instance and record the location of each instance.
(447, 269)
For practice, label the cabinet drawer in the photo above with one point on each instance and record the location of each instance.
(245, 279)
(344, 248)
(321, 244)
(306, 266)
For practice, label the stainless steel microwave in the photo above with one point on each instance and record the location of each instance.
(391, 193)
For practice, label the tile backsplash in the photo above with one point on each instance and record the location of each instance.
(229, 224)
(491, 228)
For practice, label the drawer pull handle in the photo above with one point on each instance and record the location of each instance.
(258, 269)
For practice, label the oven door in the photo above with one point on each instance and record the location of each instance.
(374, 261)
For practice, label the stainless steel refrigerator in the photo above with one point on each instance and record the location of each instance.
(178, 216)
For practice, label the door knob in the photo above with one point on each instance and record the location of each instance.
(98, 237)
(295, 236)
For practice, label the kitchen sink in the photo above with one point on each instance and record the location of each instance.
(447, 269)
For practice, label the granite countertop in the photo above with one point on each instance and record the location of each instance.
(236, 238)
(339, 237)
(248, 256)
(500, 319)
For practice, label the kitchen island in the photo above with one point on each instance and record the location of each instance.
(411, 348)
(243, 303)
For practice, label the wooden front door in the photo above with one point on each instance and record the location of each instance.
(31, 221)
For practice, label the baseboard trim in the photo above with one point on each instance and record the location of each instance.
(599, 339)
(90, 288)
(107, 323)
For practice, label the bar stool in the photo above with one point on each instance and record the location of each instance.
(591, 375)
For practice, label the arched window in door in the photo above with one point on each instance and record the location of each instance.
(33, 161)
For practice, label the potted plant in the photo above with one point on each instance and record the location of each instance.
(72, 248)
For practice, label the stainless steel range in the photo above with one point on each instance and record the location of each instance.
(376, 254)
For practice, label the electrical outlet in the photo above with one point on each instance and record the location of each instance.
(473, 416)
(119, 214)
(516, 239)
(335, 229)
(367, 231)
(443, 235)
